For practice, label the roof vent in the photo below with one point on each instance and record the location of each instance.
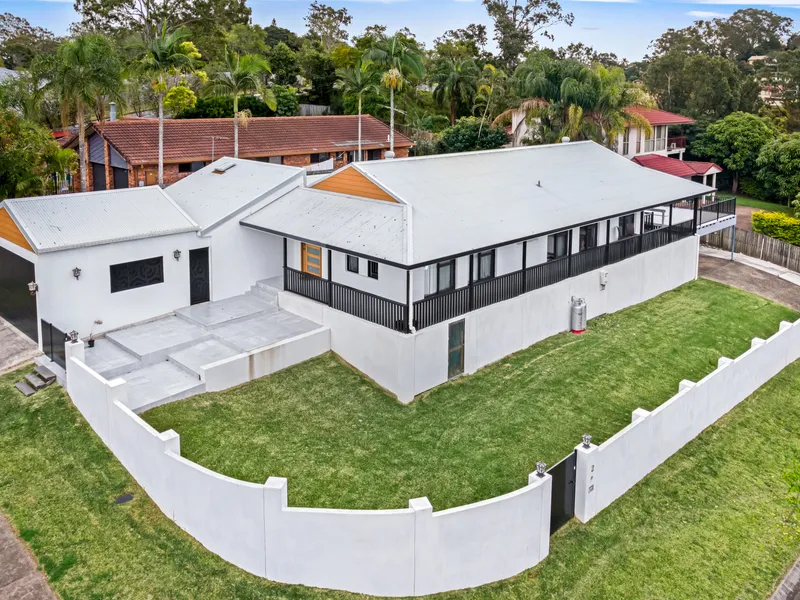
(388, 155)
(224, 168)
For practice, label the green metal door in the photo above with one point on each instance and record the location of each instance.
(455, 350)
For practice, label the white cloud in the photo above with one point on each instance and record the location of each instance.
(705, 14)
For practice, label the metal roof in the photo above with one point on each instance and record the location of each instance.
(52, 223)
(462, 202)
(210, 198)
(372, 228)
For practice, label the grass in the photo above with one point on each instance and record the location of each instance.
(344, 443)
(709, 523)
(763, 205)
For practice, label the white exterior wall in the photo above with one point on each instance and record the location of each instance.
(606, 472)
(74, 304)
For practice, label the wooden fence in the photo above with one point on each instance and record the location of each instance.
(758, 246)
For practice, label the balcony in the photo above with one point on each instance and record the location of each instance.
(676, 142)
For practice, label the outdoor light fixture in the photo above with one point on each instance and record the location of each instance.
(177, 254)
(72, 336)
(76, 273)
(540, 469)
(587, 440)
(33, 287)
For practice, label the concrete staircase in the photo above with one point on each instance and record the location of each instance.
(33, 382)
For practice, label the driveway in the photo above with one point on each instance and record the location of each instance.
(15, 348)
(19, 579)
(753, 280)
(744, 217)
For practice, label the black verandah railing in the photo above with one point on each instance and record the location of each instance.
(716, 210)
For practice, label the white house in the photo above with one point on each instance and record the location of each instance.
(422, 268)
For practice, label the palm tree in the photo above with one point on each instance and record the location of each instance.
(87, 68)
(359, 80)
(241, 75)
(491, 87)
(399, 59)
(61, 162)
(167, 53)
(456, 81)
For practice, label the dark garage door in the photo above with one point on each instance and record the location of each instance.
(16, 303)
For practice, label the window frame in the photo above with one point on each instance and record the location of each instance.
(438, 288)
(622, 235)
(555, 236)
(582, 237)
(372, 269)
(348, 264)
(492, 265)
(319, 158)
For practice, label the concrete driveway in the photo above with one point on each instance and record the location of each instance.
(750, 279)
(15, 348)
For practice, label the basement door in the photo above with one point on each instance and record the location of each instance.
(455, 349)
(199, 279)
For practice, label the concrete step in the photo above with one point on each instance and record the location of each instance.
(270, 295)
(109, 360)
(152, 342)
(211, 315)
(45, 373)
(35, 381)
(193, 358)
(159, 384)
(26, 390)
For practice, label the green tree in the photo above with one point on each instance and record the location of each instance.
(246, 39)
(169, 53)
(491, 92)
(327, 24)
(465, 136)
(735, 142)
(179, 98)
(241, 75)
(286, 100)
(221, 107)
(398, 58)
(359, 80)
(779, 167)
(456, 82)
(284, 64)
(319, 72)
(20, 42)
(87, 69)
(275, 35)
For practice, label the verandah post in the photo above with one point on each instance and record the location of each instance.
(285, 274)
(608, 240)
(330, 278)
(569, 254)
(409, 313)
(694, 215)
(669, 231)
(471, 278)
(641, 232)
(524, 266)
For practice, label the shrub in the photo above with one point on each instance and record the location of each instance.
(749, 186)
(221, 107)
(777, 225)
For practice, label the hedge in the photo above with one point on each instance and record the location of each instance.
(777, 225)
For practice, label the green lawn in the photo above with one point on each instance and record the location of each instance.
(343, 443)
(707, 524)
(762, 204)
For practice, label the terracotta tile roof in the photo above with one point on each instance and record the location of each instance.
(187, 140)
(673, 166)
(655, 116)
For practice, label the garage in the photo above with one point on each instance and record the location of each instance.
(17, 305)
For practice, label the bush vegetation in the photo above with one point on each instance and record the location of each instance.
(777, 225)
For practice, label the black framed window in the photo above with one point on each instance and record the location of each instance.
(191, 167)
(627, 226)
(319, 157)
(557, 245)
(485, 265)
(445, 276)
(352, 263)
(588, 237)
(373, 154)
(136, 274)
(372, 269)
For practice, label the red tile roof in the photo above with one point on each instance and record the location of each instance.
(187, 140)
(655, 116)
(673, 166)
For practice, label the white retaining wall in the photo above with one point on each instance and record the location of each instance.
(405, 552)
(606, 472)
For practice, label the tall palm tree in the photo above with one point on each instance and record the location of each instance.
(490, 89)
(61, 162)
(86, 68)
(398, 59)
(241, 75)
(167, 53)
(456, 81)
(359, 80)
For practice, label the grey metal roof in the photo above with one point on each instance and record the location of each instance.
(462, 202)
(211, 198)
(52, 223)
(371, 227)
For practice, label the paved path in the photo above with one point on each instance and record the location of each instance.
(19, 579)
(15, 348)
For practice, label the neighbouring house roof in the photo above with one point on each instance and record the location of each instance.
(52, 223)
(6, 73)
(374, 228)
(655, 116)
(188, 140)
(210, 197)
(678, 168)
(459, 203)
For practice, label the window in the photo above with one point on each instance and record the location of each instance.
(273, 160)
(485, 265)
(627, 226)
(373, 154)
(557, 245)
(190, 167)
(352, 263)
(320, 157)
(588, 237)
(626, 143)
(372, 269)
(441, 277)
(136, 274)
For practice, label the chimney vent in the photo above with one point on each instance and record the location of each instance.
(565, 140)
(112, 109)
(388, 155)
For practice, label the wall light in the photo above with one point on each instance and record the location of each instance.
(33, 287)
(587, 440)
(72, 336)
(76, 273)
(177, 254)
(540, 469)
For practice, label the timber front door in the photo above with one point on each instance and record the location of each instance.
(311, 259)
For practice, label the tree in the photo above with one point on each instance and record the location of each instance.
(735, 143)
(221, 107)
(517, 24)
(319, 72)
(20, 42)
(491, 90)
(241, 75)
(359, 80)
(398, 58)
(286, 100)
(87, 69)
(779, 167)
(327, 24)
(464, 137)
(275, 35)
(283, 62)
(467, 42)
(244, 38)
(589, 56)
(456, 82)
(169, 53)
(179, 98)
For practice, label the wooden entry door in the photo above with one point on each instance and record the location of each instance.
(311, 259)
(455, 350)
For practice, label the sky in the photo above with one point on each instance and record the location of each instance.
(624, 27)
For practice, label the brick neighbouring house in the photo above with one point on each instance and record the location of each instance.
(125, 152)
